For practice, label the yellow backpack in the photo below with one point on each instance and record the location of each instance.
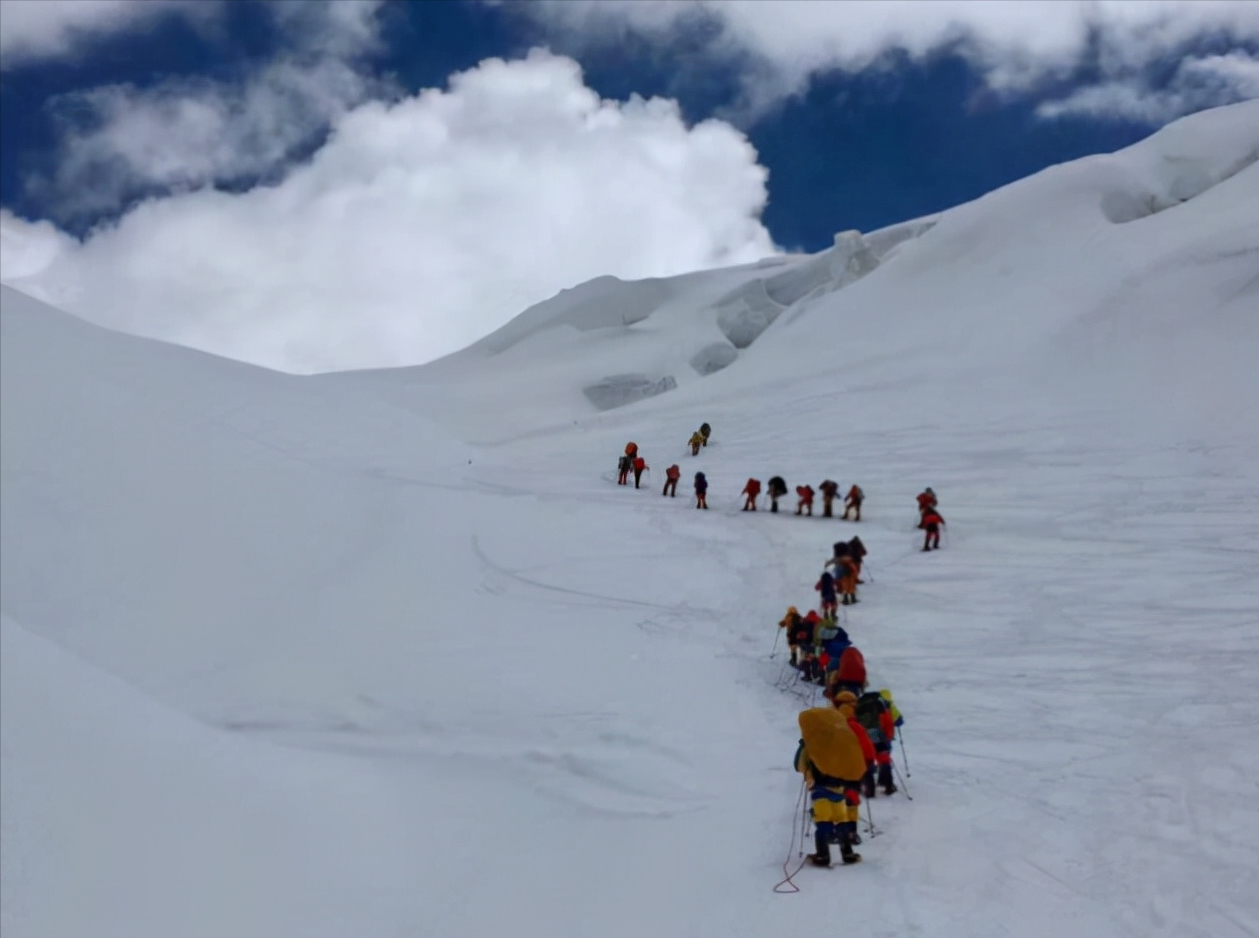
(831, 744)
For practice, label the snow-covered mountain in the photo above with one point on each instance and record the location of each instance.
(390, 653)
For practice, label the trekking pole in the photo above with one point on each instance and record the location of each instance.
(806, 821)
(782, 674)
(777, 633)
(870, 820)
(904, 787)
(901, 736)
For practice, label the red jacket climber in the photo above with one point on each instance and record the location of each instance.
(926, 499)
(751, 490)
(931, 521)
(671, 476)
(640, 465)
(806, 499)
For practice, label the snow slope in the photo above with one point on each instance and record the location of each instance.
(389, 653)
(122, 817)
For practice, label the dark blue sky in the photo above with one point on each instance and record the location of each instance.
(855, 151)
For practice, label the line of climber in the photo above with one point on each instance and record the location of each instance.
(632, 462)
(845, 747)
(776, 489)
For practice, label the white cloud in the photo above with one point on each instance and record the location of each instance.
(1016, 44)
(187, 133)
(26, 248)
(38, 29)
(1199, 83)
(423, 225)
(119, 141)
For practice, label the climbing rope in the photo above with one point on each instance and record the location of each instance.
(799, 833)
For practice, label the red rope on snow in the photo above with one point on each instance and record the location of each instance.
(787, 879)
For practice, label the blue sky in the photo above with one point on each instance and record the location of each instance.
(128, 124)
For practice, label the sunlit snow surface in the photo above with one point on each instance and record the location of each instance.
(390, 654)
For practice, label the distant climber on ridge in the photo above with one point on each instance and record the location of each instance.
(829, 490)
(853, 502)
(671, 476)
(776, 490)
(931, 521)
(751, 490)
(926, 500)
(640, 466)
(805, 505)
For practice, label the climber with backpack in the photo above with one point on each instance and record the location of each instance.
(845, 571)
(640, 466)
(623, 467)
(830, 602)
(852, 502)
(832, 641)
(848, 673)
(777, 489)
(926, 500)
(931, 521)
(829, 642)
(829, 490)
(701, 491)
(751, 490)
(705, 431)
(791, 622)
(805, 505)
(695, 442)
(832, 760)
(857, 554)
(810, 665)
(671, 476)
(874, 713)
(801, 631)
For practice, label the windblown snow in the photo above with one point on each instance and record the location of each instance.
(391, 654)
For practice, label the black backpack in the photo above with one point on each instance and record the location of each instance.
(870, 706)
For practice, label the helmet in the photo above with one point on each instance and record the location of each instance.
(930, 491)
(792, 611)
